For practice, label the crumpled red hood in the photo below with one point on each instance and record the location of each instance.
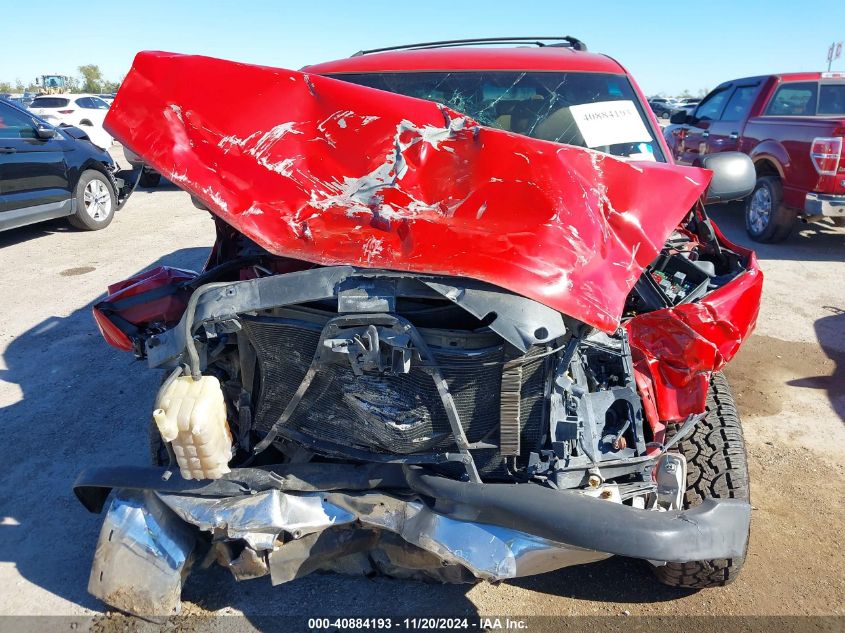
(334, 173)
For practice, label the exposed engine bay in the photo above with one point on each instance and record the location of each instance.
(337, 378)
(384, 374)
(381, 366)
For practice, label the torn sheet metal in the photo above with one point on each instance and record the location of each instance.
(258, 518)
(265, 519)
(334, 173)
(141, 556)
(676, 349)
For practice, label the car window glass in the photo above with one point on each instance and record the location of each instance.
(711, 107)
(739, 104)
(794, 99)
(49, 102)
(832, 99)
(84, 102)
(98, 103)
(15, 124)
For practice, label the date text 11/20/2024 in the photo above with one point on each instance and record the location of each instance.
(419, 624)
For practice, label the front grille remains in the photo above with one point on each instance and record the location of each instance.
(401, 414)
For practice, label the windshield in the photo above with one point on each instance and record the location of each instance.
(595, 110)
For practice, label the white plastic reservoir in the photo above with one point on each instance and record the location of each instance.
(191, 415)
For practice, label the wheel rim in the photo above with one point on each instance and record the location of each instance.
(97, 200)
(760, 210)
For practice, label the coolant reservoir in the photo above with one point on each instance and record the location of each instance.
(191, 415)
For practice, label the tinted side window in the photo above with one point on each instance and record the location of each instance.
(98, 103)
(84, 102)
(832, 99)
(711, 107)
(794, 99)
(739, 104)
(15, 124)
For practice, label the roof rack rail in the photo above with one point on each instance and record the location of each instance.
(566, 40)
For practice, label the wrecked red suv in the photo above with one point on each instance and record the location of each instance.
(463, 319)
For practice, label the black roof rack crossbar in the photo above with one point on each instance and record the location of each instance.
(566, 40)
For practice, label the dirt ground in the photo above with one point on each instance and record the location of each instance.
(68, 401)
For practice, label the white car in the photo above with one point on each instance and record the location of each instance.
(81, 110)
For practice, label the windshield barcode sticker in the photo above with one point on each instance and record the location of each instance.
(609, 123)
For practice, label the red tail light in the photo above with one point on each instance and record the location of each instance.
(114, 335)
(825, 153)
(66, 111)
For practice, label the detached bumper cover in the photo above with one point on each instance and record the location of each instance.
(715, 529)
(825, 205)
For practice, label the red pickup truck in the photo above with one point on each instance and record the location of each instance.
(792, 127)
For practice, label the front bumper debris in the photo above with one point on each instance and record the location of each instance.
(287, 521)
(831, 206)
(142, 556)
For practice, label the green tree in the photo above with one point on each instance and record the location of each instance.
(5, 86)
(92, 78)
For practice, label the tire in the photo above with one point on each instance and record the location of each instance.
(717, 467)
(98, 212)
(149, 179)
(766, 217)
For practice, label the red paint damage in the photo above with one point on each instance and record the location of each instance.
(676, 349)
(328, 172)
(333, 173)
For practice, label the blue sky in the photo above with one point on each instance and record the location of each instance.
(668, 46)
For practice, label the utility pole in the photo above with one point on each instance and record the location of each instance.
(834, 52)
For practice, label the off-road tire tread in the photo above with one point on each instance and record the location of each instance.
(717, 467)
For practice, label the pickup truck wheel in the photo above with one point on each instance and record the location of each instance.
(766, 218)
(95, 201)
(717, 467)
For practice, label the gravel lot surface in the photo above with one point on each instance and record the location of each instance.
(68, 401)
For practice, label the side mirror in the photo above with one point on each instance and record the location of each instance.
(44, 132)
(734, 176)
(680, 116)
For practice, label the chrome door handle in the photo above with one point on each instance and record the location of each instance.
(705, 134)
(734, 135)
(7, 150)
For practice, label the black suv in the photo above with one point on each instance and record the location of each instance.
(48, 172)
